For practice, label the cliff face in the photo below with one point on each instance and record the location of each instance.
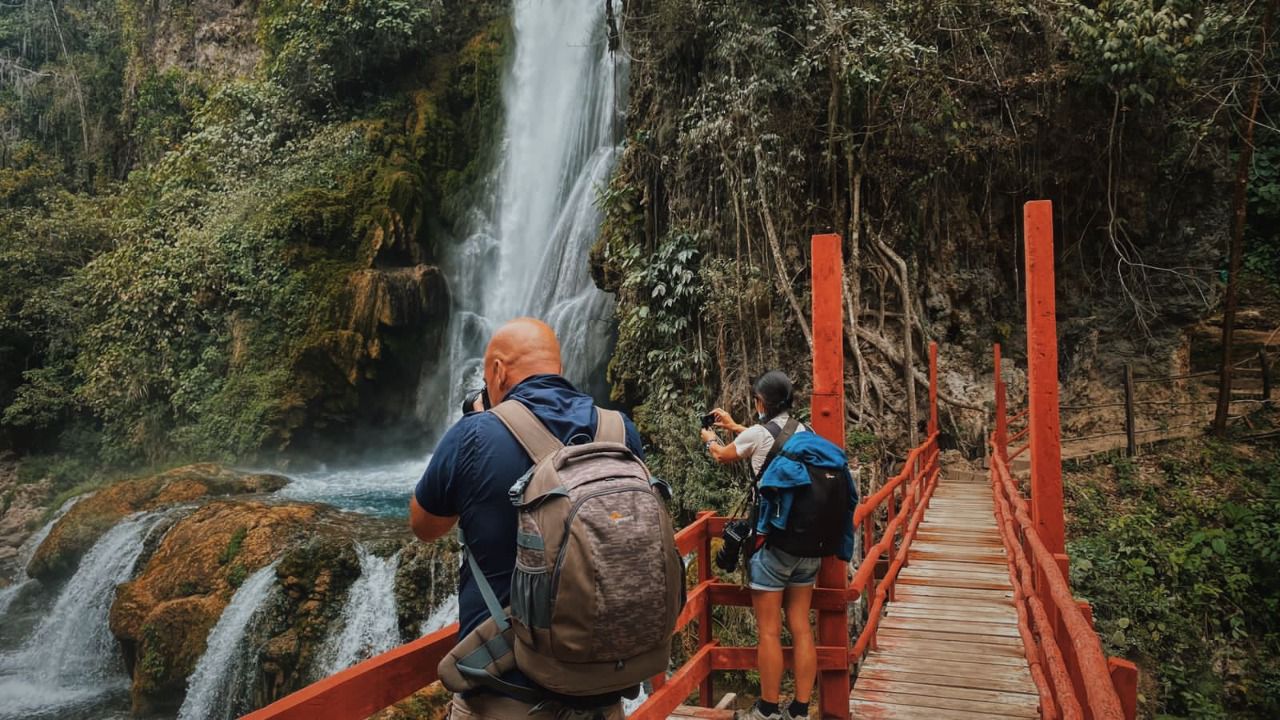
(261, 195)
(918, 139)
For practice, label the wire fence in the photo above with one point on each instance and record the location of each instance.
(1258, 366)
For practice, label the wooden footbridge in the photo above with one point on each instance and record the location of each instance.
(961, 593)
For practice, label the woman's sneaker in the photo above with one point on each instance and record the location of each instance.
(756, 713)
(791, 712)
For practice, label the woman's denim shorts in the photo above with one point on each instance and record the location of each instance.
(773, 570)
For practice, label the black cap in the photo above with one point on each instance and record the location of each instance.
(774, 387)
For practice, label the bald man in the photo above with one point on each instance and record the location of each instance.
(475, 464)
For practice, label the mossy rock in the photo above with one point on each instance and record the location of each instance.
(426, 577)
(81, 527)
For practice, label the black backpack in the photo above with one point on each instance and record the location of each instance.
(815, 524)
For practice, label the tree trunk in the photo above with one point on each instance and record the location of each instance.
(1237, 230)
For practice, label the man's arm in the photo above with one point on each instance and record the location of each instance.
(436, 489)
(426, 526)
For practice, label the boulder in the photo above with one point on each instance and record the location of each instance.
(163, 616)
(81, 527)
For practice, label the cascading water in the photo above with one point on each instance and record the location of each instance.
(527, 253)
(28, 550)
(226, 671)
(369, 618)
(72, 657)
(442, 616)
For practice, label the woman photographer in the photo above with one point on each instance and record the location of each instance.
(777, 579)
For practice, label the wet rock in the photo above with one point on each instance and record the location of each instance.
(425, 579)
(163, 616)
(76, 532)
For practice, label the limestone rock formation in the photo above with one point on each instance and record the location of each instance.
(76, 532)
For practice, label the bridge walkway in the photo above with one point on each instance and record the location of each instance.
(949, 646)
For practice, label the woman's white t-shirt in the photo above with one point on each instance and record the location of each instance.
(756, 441)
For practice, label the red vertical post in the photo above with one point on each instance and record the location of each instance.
(828, 421)
(1124, 676)
(1042, 376)
(706, 690)
(933, 387)
(1002, 412)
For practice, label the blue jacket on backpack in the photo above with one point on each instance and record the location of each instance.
(788, 471)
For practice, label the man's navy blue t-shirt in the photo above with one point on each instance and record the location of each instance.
(477, 462)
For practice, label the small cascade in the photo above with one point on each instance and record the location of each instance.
(72, 657)
(369, 619)
(226, 671)
(27, 551)
(443, 615)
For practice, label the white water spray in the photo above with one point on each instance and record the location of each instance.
(27, 550)
(225, 671)
(528, 251)
(72, 657)
(369, 618)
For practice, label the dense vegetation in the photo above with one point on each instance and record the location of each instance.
(189, 194)
(200, 201)
(1179, 551)
(916, 130)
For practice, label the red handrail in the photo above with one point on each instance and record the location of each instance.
(1073, 677)
(364, 689)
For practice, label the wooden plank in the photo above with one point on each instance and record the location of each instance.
(693, 711)
(942, 575)
(951, 627)
(909, 594)
(926, 603)
(935, 635)
(990, 654)
(979, 673)
(993, 594)
(936, 702)
(999, 569)
(961, 614)
(889, 711)
(926, 678)
(934, 579)
(1021, 701)
(957, 555)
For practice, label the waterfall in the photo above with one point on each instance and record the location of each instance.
(445, 614)
(226, 671)
(72, 657)
(526, 253)
(27, 550)
(369, 619)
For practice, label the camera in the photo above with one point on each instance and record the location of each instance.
(708, 420)
(470, 397)
(736, 533)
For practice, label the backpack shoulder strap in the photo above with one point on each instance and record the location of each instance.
(609, 427)
(780, 438)
(532, 435)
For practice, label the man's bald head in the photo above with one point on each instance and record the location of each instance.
(519, 349)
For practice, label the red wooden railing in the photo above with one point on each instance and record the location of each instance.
(1072, 675)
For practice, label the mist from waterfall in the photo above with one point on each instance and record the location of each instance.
(527, 250)
(227, 670)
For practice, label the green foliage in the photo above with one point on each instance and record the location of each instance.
(237, 575)
(654, 332)
(1180, 556)
(1140, 48)
(233, 546)
(320, 49)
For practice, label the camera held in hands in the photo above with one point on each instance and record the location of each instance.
(708, 421)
